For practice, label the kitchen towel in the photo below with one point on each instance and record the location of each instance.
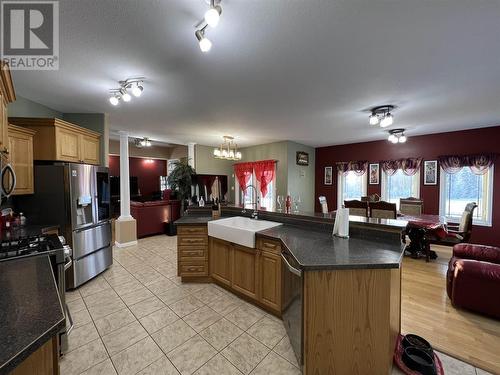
(341, 226)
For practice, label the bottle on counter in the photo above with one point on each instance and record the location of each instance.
(288, 204)
(201, 202)
(215, 209)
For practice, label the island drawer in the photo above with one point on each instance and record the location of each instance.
(189, 253)
(194, 268)
(189, 229)
(269, 245)
(192, 241)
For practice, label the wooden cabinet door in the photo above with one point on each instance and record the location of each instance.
(3, 124)
(21, 158)
(270, 280)
(220, 260)
(90, 149)
(67, 146)
(245, 270)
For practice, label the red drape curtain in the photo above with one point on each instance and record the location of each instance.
(243, 172)
(478, 164)
(264, 172)
(358, 167)
(409, 166)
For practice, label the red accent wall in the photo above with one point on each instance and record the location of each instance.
(428, 147)
(147, 171)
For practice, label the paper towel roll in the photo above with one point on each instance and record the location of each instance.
(341, 226)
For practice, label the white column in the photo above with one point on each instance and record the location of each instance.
(192, 155)
(124, 178)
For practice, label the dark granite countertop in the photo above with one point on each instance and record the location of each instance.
(30, 309)
(24, 231)
(314, 250)
(193, 220)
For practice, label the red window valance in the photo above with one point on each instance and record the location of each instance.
(478, 164)
(264, 172)
(358, 167)
(409, 166)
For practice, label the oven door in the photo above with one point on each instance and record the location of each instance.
(292, 303)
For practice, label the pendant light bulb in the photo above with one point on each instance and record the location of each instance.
(212, 16)
(114, 100)
(205, 44)
(373, 119)
(137, 90)
(388, 120)
(402, 139)
(125, 95)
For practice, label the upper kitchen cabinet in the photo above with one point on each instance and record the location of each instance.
(58, 140)
(21, 158)
(7, 95)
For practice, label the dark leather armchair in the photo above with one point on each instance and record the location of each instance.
(473, 278)
(357, 208)
(458, 233)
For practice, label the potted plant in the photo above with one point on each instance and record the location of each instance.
(180, 180)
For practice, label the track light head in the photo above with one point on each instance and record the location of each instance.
(212, 16)
(137, 89)
(125, 95)
(114, 100)
(205, 44)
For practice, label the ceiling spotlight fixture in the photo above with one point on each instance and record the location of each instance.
(382, 116)
(212, 16)
(205, 44)
(397, 136)
(131, 85)
(227, 150)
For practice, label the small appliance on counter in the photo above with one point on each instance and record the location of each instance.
(20, 245)
(76, 197)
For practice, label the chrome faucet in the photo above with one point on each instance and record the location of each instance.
(254, 203)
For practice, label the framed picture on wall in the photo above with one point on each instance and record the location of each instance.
(328, 175)
(302, 158)
(374, 176)
(430, 172)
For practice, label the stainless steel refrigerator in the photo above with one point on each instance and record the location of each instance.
(77, 198)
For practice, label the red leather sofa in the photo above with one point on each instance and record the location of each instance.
(473, 278)
(152, 217)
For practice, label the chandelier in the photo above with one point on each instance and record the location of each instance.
(227, 150)
(397, 136)
(382, 116)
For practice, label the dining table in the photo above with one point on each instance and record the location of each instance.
(418, 229)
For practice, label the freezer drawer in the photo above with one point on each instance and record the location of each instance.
(89, 240)
(89, 267)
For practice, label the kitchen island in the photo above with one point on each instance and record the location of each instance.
(31, 316)
(339, 298)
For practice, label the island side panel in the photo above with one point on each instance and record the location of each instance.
(351, 321)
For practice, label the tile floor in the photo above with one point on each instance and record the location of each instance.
(137, 318)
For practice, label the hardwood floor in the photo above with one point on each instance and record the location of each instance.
(427, 311)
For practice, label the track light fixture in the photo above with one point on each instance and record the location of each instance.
(382, 116)
(131, 85)
(397, 136)
(211, 18)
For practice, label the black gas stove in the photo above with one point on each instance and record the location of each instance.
(46, 244)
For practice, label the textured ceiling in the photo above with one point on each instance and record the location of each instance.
(278, 69)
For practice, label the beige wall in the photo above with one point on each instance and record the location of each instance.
(154, 152)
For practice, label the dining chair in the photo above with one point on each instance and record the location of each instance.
(357, 208)
(383, 210)
(458, 233)
(411, 206)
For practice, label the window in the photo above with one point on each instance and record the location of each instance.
(351, 186)
(400, 185)
(464, 187)
(267, 202)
